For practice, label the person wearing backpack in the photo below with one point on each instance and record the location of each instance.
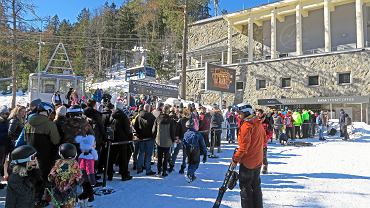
(195, 146)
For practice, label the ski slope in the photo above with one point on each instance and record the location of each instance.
(333, 173)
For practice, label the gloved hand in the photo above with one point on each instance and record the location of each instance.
(204, 158)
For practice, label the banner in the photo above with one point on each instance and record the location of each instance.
(147, 88)
(219, 78)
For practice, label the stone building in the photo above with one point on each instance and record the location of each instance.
(296, 53)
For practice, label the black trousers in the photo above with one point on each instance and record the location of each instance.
(305, 128)
(121, 154)
(163, 156)
(250, 187)
(289, 132)
(216, 138)
(297, 131)
(265, 156)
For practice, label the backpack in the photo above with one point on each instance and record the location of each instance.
(332, 132)
(192, 150)
(348, 121)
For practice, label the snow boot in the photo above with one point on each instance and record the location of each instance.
(182, 169)
(264, 169)
(87, 193)
(171, 168)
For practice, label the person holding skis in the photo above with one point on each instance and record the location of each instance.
(250, 156)
(195, 146)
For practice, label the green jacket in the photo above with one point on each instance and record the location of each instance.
(297, 119)
(305, 116)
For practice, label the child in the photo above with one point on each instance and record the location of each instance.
(86, 160)
(195, 146)
(64, 177)
(24, 179)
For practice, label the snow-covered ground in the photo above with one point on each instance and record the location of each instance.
(333, 173)
(21, 99)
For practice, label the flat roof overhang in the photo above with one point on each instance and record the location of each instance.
(315, 100)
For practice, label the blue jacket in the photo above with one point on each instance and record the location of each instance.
(195, 139)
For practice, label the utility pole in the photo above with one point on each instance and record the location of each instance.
(40, 43)
(184, 49)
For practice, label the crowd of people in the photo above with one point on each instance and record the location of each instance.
(50, 149)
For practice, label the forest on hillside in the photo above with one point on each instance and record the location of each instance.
(110, 32)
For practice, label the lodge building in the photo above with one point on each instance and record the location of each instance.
(298, 53)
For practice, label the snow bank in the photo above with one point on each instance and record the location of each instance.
(21, 99)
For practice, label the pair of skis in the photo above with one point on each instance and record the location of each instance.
(230, 181)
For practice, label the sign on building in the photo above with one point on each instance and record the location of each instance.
(219, 78)
(147, 88)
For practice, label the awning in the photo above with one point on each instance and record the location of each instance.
(315, 100)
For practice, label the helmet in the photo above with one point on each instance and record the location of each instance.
(245, 108)
(74, 111)
(44, 106)
(67, 151)
(22, 154)
(189, 124)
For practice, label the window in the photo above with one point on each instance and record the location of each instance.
(285, 82)
(261, 84)
(313, 80)
(48, 85)
(239, 85)
(344, 78)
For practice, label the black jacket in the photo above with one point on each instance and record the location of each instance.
(216, 120)
(15, 129)
(4, 139)
(60, 123)
(121, 126)
(20, 192)
(164, 130)
(96, 122)
(182, 127)
(144, 124)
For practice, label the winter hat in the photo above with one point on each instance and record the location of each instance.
(4, 109)
(61, 111)
(119, 105)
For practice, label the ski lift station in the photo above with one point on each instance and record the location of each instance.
(44, 84)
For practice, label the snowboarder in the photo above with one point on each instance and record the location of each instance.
(64, 177)
(195, 147)
(250, 156)
(24, 178)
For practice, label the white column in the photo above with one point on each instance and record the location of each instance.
(361, 113)
(273, 34)
(229, 43)
(222, 58)
(327, 30)
(250, 40)
(298, 21)
(360, 23)
(201, 60)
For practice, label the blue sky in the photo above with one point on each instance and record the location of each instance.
(69, 9)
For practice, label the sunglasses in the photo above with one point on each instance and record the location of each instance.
(28, 159)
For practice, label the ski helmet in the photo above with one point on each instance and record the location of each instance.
(245, 108)
(74, 111)
(45, 107)
(23, 154)
(67, 151)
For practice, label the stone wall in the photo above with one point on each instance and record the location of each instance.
(326, 66)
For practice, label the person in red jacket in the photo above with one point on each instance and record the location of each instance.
(262, 116)
(249, 155)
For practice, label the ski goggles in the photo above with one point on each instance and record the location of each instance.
(24, 160)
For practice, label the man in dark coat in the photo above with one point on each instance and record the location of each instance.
(216, 125)
(143, 126)
(121, 132)
(96, 121)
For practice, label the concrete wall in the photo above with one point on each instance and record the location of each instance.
(343, 25)
(313, 30)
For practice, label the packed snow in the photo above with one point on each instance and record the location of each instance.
(22, 99)
(333, 173)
